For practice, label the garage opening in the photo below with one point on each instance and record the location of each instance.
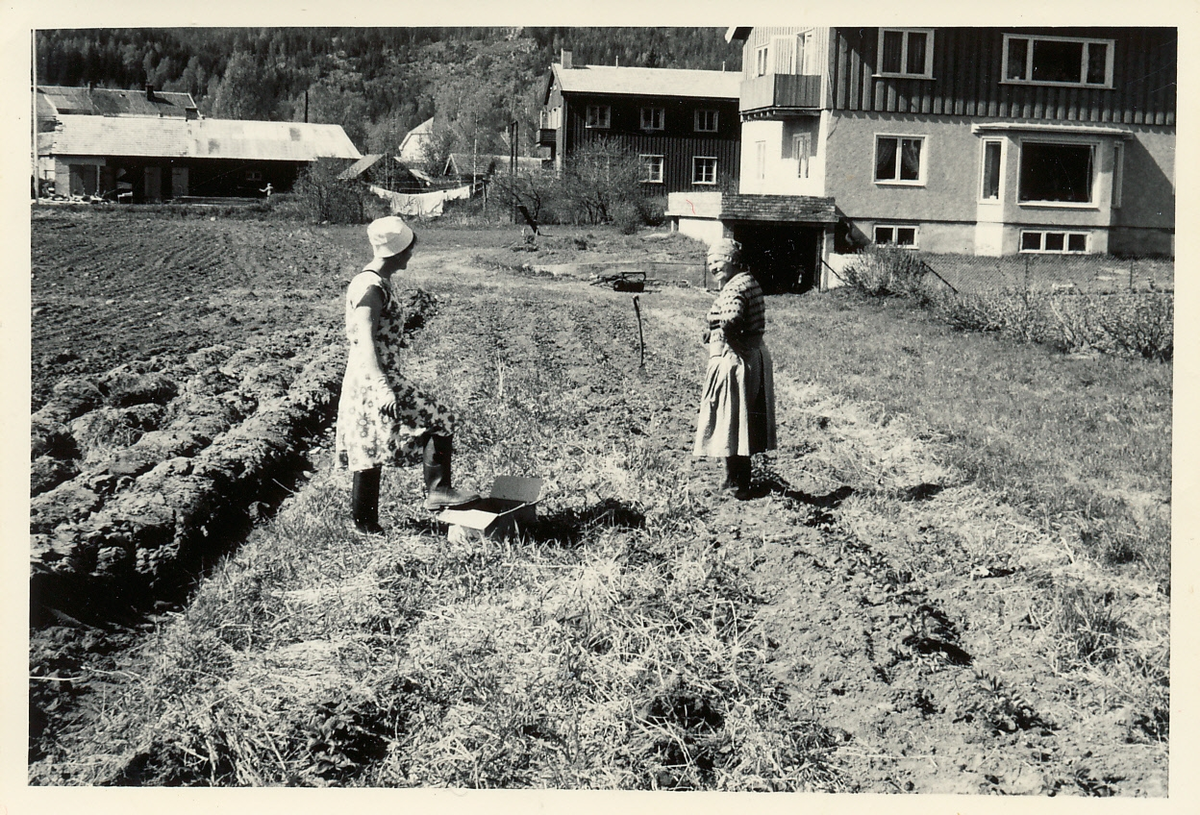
(785, 257)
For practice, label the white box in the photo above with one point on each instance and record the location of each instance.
(509, 505)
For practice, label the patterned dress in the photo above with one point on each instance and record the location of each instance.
(366, 438)
(737, 407)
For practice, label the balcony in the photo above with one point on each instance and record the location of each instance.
(781, 92)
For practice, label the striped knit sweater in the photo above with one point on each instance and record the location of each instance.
(740, 310)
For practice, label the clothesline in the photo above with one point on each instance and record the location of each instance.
(423, 204)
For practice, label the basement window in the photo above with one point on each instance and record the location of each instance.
(1054, 242)
(904, 237)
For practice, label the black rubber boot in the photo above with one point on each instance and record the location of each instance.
(364, 501)
(730, 483)
(743, 491)
(439, 492)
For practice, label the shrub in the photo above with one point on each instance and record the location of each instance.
(1142, 324)
(1137, 323)
(324, 198)
(881, 271)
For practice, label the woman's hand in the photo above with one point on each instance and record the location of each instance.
(388, 405)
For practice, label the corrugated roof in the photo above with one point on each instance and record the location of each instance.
(649, 81)
(115, 101)
(200, 138)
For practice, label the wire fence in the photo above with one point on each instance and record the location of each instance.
(1087, 274)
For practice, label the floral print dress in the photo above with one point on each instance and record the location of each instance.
(365, 438)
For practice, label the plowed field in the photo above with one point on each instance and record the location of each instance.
(904, 609)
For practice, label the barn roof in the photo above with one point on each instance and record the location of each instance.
(200, 138)
(648, 81)
(113, 102)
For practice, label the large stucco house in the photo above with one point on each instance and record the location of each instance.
(983, 141)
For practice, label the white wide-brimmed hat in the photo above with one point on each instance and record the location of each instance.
(389, 236)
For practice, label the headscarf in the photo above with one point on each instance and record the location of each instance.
(726, 249)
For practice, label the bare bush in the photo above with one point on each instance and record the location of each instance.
(322, 197)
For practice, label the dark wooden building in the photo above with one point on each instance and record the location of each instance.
(682, 124)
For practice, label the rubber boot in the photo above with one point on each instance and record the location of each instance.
(364, 501)
(730, 483)
(741, 478)
(439, 494)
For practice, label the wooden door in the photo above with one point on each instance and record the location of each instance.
(152, 183)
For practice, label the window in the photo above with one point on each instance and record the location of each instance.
(902, 236)
(898, 159)
(652, 118)
(991, 171)
(801, 147)
(906, 52)
(760, 159)
(805, 53)
(598, 116)
(254, 175)
(704, 170)
(1118, 175)
(652, 169)
(761, 60)
(1057, 242)
(706, 121)
(1058, 60)
(1056, 173)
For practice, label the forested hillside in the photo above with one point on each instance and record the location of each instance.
(378, 83)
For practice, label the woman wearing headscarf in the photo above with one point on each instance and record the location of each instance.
(737, 408)
(382, 417)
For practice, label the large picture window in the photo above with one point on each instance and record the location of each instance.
(906, 52)
(1056, 173)
(898, 159)
(1058, 60)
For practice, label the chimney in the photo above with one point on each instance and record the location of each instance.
(565, 59)
(150, 91)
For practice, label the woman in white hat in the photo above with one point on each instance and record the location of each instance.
(737, 408)
(382, 417)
